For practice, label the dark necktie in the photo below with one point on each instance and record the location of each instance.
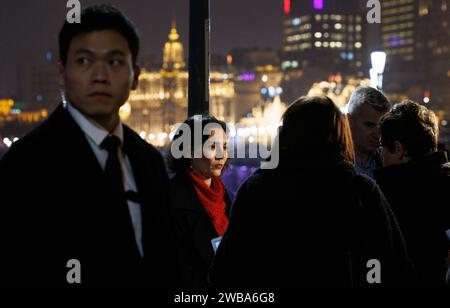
(113, 173)
(113, 168)
(123, 234)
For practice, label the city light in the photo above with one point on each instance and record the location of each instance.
(287, 7)
(229, 59)
(6, 105)
(248, 76)
(378, 59)
(143, 135)
(262, 130)
(162, 136)
(318, 4)
(271, 91)
(7, 142)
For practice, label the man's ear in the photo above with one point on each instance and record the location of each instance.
(137, 72)
(399, 150)
(61, 69)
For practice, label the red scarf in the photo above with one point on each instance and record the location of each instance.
(213, 200)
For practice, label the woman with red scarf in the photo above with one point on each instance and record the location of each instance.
(200, 203)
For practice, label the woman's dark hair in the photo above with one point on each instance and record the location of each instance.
(200, 121)
(96, 18)
(315, 129)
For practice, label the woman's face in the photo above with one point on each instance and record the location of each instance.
(214, 155)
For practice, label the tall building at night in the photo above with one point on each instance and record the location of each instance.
(326, 35)
(433, 49)
(416, 38)
(399, 41)
(322, 39)
(399, 31)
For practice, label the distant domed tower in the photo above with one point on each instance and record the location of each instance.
(173, 58)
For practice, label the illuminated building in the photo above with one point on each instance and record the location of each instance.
(399, 18)
(321, 38)
(256, 87)
(326, 35)
(416, 38)
(160, 102)
(15, 121)
(433, 49)
(261, 125)
(337, 89)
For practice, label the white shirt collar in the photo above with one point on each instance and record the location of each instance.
(92, 129)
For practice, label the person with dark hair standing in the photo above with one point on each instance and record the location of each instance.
(84, 199)
(415, 180)
(200, 202)
(365, 108)
(311, 222)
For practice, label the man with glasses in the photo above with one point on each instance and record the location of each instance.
(415, 180)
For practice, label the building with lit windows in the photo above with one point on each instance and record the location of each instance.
(399, 40)
(321, 38)
(161, 100)
(399, 20)
(416, 38)
(323, 34)
(433, 49)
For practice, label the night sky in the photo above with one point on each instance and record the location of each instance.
(28, 28)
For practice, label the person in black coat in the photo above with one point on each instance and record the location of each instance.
(200, 202)
(85, 201)
(311, 222)
(415, 180)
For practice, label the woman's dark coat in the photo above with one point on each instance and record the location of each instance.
(195, 231)
(309, 226)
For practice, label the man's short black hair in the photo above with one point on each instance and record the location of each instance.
(413, 125)
(96, 18)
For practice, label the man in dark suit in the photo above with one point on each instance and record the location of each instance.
(84, 198)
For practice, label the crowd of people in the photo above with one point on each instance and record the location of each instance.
(351, 190)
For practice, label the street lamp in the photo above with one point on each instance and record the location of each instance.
(376, 72)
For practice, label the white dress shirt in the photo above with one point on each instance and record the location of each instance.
(95, 134)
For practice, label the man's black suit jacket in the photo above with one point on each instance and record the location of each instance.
(56, 206)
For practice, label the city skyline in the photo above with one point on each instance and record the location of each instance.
(325, 42)
(28, 29)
